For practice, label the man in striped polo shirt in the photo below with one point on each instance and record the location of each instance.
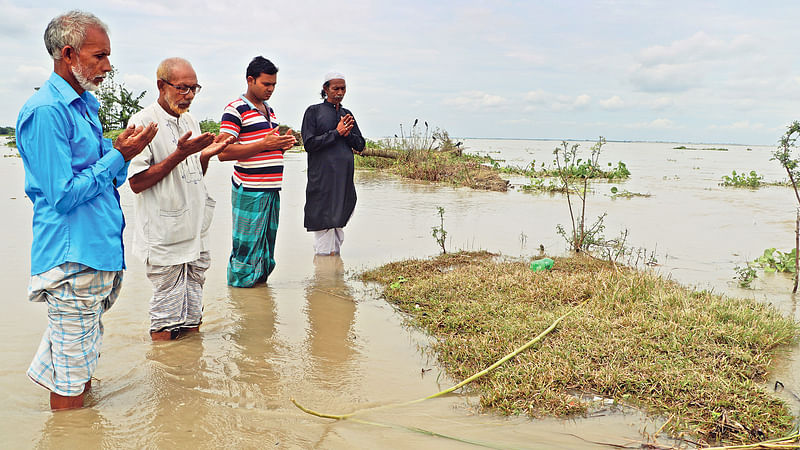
(257, 175)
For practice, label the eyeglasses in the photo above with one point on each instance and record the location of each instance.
(183, 90)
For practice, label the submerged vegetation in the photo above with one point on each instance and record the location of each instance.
(710, 149)
(774, 260)
(751, 180)
(421, 154)
(634, 338)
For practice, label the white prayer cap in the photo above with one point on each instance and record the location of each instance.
(333, 75)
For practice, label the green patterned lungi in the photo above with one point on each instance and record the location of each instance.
(255, 226)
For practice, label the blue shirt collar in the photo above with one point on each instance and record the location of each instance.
(69, 94)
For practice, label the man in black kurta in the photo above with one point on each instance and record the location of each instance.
(330, 137)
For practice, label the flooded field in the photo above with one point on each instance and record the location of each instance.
(317, 335)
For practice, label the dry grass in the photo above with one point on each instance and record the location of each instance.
(640, 340)
(439, 166)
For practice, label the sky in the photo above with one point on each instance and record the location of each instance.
(679, 71)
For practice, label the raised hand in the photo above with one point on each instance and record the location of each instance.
(189, 146)
(134, 139)
(345, 124)
(279, 141)
(217, 146)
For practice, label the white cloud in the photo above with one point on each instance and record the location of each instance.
(476, 99)
(553, 102)
(536, 96)
(700, 47)
(684, 64)
(741, 125)
(661, 124)
(581, 100)
(665, 77)
(526, 56)
(662, 103)
(614, 102)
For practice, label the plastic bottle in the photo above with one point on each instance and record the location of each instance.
(541, 265)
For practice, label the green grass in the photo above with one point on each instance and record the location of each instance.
(640, 340)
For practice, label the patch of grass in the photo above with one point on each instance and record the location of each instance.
(711, 149)
(624, 193)
(640, 340)
(544, 185)
(437, 166)
(112, 134)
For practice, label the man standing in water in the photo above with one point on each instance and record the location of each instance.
(330, 137)
(257, 175)
(71, 176)
(173, 208)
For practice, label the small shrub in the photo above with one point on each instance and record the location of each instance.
(439, 233)
(751, 180)
(745, 275)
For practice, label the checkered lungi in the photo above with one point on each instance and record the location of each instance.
(76, 296)
(177, 294)
(255, 227)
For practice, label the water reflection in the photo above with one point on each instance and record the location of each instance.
(248, 361)
(60, 429)
(331, 310)
(175, 375)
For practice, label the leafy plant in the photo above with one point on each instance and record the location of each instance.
(209, 126)
(439, 233)
(745, 275)
(751, 180)
(785, 156)
(117, 104)
(582, 237)
(399, 281)
(777, 261)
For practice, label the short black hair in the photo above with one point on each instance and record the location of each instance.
(260, 65)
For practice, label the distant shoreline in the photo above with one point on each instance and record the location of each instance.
(616, 141)
(594, 140)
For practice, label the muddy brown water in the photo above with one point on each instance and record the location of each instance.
(317, 335)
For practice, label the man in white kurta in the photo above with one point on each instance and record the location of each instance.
(173, 208)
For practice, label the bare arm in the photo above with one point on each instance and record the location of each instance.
(155, 173)
(269, 142)
(214, 149)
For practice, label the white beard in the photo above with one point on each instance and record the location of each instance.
(83, 80)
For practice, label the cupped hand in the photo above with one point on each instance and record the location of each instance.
(134, 139)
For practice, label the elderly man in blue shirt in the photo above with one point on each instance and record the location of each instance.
(71, 176)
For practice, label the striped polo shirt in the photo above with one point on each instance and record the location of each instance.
(262, 171)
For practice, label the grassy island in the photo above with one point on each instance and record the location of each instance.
(697, 358)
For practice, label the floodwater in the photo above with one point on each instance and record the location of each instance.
(316, 334)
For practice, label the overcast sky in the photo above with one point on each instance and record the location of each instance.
(697, 71)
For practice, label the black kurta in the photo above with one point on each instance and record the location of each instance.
(330, 192)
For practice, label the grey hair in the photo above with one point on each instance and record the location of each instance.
(69, 29)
